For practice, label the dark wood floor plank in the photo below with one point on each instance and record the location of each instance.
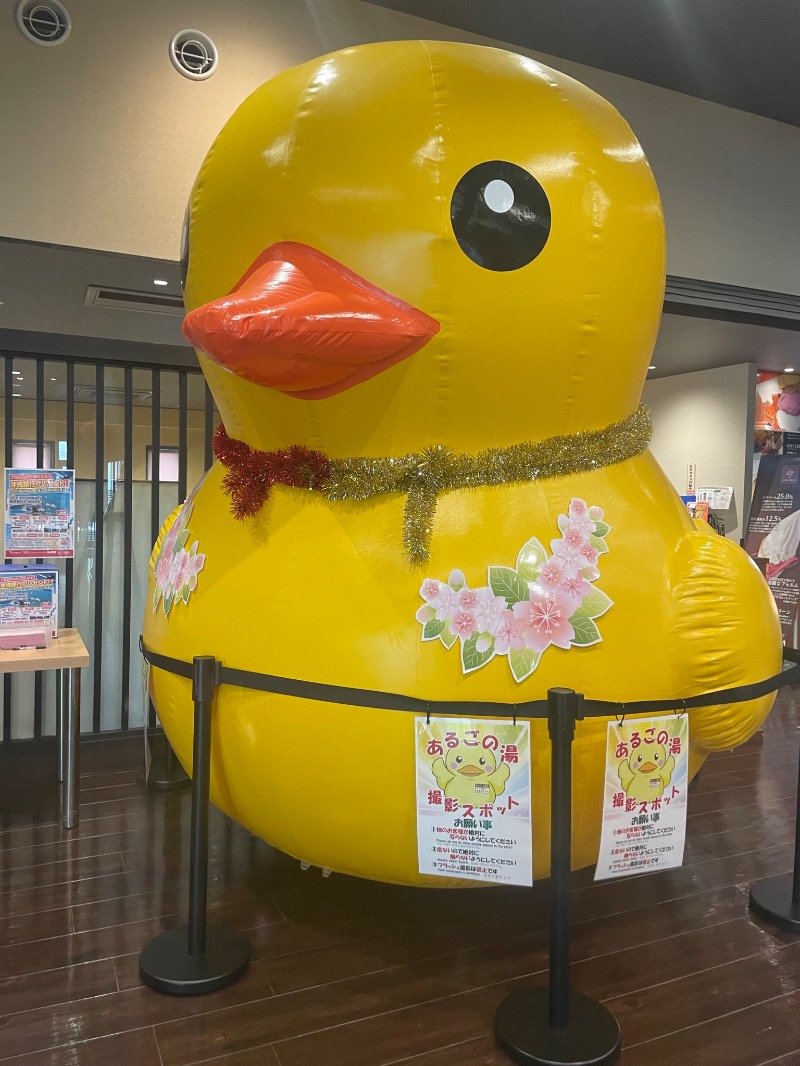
(119, 1012)
(747, 1037)
(399, 1034)
(136, 1048)
(707, 994)
(73, 949)
(481, 1051)
(62, 872)
(260, 1056)
(56, 986)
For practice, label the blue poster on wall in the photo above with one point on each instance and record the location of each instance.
(39, 514)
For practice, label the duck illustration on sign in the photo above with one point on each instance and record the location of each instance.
(466, 777)
(646, 773)
(425, 312)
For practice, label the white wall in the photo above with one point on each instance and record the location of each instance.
(100, 139)
(707, 418)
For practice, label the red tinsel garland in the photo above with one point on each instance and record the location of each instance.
(252, 473)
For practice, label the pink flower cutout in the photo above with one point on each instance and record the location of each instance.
(488, 610)
(544, 619)
(589, 553)
(574, 537)
(571, 560)
(575, 589)
(552, 573)
(508, 635)
(446, 603)
(463, 625)
(468, 599)
(430, 590)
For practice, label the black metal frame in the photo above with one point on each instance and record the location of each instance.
(42, 363)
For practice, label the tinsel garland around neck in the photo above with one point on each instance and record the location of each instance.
(420, 475)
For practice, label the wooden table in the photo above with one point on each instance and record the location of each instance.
(67, 654)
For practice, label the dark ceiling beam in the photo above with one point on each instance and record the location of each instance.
(741, 53)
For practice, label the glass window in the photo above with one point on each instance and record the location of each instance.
(167, 464)
(24, 455)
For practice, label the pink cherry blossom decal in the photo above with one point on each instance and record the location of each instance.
(546, 600)
(176, 567)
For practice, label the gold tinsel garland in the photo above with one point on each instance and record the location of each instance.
(422, 476)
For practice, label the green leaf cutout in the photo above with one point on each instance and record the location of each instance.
(599, 543)
(586, 632)
(601, 529)
(523, 662)
(505, 581)
(471, 658)
(433, 629)
(181, 541)
(531, 559)
(595, 604)
(447, 638)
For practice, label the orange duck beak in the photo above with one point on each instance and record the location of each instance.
(302, 323)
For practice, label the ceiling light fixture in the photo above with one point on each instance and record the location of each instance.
(17, 395)
(788, 370)
(651, 367)
(160, 281)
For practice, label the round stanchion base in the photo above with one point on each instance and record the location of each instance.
(522, 1028)
(771, 899)
(166, 965)
(165, 778)
(165, 774)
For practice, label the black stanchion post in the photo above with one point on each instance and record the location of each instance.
(195, 958)
(553, 1026)
(777, 899)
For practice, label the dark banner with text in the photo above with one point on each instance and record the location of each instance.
(773, 529)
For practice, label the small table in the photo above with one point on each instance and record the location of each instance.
(67, 654)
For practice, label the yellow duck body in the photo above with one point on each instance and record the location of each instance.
(358, 154)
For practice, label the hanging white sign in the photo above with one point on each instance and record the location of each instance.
(644, 807)
(474, 800)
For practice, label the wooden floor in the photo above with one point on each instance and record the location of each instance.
(350, 973)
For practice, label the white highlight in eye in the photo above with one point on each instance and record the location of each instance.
(499, 196)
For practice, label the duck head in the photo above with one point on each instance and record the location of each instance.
(473, 763)
(413, 243)
(650, 761)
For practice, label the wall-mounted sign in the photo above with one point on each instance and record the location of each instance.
(718, 498)
(40, 514)
(773, 530)
(691, 478)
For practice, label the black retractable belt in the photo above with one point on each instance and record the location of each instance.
(395, 701)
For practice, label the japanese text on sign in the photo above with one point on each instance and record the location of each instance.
(473, 800)
(644, 807)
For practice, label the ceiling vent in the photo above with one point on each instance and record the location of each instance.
(44, 23)
(193, 54)
(110, 394)
(131, 300)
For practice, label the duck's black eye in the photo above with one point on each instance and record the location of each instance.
(185, 248)
(500, 215)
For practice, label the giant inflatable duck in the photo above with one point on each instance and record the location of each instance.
(424, 281)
